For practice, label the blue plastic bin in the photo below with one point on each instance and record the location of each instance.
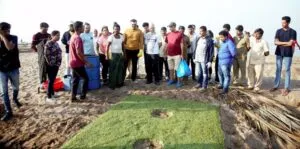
(93, 73)
(94, 60)
(94, 84)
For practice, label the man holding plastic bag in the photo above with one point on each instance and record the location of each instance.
(174, 48)
(203, 57)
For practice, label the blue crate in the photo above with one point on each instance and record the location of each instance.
(68, 84)
(93, 84)
(93, 73)
(94, 60)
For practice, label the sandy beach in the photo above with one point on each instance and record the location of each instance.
(41, 125)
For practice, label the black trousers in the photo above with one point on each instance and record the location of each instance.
(131, 55)
(209, 73)
(216, 69)
(77, 74)
(191, 62)
(152, 67)
(52, 73)
(163, 62)
(105, 66)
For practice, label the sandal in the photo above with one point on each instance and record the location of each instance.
(285, 92)
(273, 89)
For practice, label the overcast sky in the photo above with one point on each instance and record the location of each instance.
(26, 15)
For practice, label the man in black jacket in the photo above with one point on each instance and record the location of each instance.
(203, 56)
(66, 41)
(9, 68)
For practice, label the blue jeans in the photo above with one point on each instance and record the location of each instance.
(202, 74)
(224, 76)
(287, 62)
(13, 77)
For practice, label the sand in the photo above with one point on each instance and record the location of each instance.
(41, 125)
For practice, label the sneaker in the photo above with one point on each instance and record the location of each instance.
(105, 82)
(7, 117)
(203, 90)
(148, 82)
(55, 96)
(18, 104)
(235, 83)
(50, 100)
(157, 83)
(167, 78)
(220, 87)
(285, 92)
(120, 85)
(273, 89)
(41, 89)
(249, 88)
(179, 85)
(257, 91)
(73, 99)
(171, 82)
(223, 93)
(82, 97)
(112, 88)
(198, 86)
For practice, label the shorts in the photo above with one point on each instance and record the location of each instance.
(173, 62)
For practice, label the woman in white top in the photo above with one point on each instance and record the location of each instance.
(152, 58)
(116, 62)
(259, 50)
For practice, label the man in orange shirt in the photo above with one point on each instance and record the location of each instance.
(133, 43)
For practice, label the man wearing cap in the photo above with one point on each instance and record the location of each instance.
(133, 43)
(242, 44)
(174, 49)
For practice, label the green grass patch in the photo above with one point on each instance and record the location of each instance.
(191, 125)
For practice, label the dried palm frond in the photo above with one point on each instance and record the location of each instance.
(268, 116)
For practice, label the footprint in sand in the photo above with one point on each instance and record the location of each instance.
(27, 95)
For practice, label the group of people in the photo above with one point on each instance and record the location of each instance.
(117, 52)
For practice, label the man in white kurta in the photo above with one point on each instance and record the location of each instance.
(259, 50)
